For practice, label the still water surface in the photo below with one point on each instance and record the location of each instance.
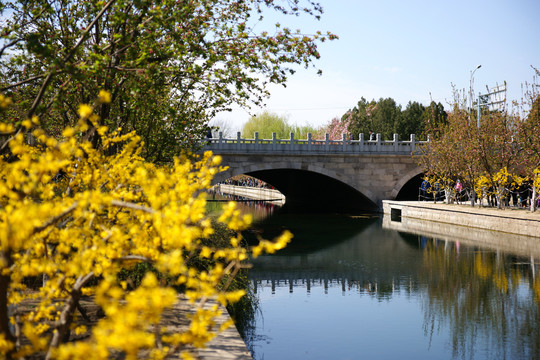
(346, 288)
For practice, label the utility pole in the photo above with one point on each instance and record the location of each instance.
(471, 93)
(478, 114)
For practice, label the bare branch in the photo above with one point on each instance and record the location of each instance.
(66, 316)
(82, 280)
(132, 206)
(134, 257)
(8, 46)
(5, 143)
(54, 219)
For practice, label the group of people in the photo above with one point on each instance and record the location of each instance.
(429, 193)
(247, 181)
(519, 197)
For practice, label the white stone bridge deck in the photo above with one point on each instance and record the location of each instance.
(310, 145)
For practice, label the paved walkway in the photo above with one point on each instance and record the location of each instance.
(228, 345)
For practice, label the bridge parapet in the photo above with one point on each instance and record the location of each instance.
(312, 146)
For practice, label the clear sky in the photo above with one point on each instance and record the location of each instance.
(410, 51)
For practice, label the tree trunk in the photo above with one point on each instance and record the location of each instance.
(533, 198)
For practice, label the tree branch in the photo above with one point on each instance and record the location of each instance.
(132, 206)
(67, 313)
(47, 80)
(8, 46)
(54, 219)
(135, 257)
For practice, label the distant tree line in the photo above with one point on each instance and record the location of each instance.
(386, 117)
(383, 117)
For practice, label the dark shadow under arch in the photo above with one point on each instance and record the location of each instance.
(308, 191)
(409, 191)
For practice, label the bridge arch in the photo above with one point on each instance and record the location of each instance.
(410, 175)
(309, 188)
(251, 168)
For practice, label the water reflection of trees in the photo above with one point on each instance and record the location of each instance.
(484, 298)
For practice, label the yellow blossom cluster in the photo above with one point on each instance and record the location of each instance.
(485, 185)
(75, 216)
(4, 101)
(497, 184)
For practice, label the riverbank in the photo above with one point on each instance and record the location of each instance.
(475, 225)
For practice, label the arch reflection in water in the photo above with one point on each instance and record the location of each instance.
(350, 288)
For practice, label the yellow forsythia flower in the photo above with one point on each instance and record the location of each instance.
(6, 128)
(4, 101)
(5, 345)
(27, 123)
(85, 111)
(104, 97)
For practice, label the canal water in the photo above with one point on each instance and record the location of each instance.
(347, 288)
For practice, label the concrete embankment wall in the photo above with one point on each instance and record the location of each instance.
(251, 192)
(513, 230)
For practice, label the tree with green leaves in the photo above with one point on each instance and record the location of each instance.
(434, 118)
(358, 119)
(411, 121)
(171, 65)
(385, 117)
(268, 123)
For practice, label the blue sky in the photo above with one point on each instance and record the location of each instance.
(409, 51)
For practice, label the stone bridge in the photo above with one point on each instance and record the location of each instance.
(332, 175)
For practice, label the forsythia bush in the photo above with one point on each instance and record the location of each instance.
(75, 216)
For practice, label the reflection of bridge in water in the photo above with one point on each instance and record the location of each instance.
(363, 263)
(325, 281)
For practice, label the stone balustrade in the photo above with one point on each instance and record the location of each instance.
(312, 146)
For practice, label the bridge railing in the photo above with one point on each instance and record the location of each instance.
(310, 145)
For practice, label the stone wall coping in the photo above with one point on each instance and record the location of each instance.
(312, 146)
